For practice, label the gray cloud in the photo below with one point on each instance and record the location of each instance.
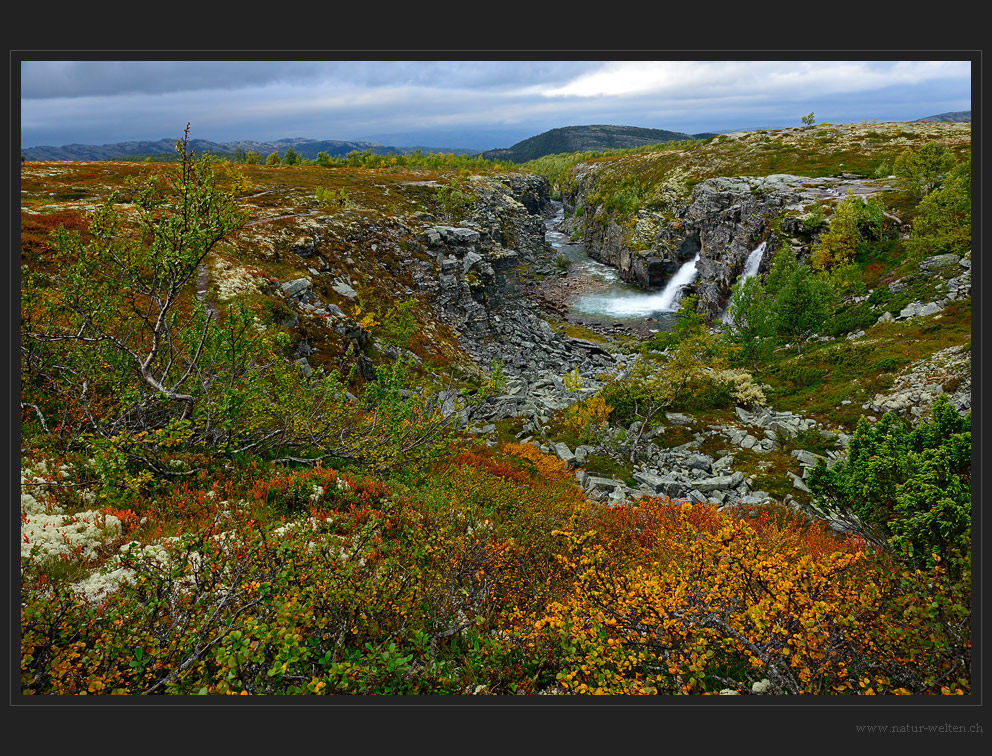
(473, 103)
(45, 79)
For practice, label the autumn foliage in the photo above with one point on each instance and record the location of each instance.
(720, 602)
(491, 574)
(260, 529)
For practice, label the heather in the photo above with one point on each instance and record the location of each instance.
(297, 428)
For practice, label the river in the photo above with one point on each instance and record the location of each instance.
(600, 296)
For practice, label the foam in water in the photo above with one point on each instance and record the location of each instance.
(667, 300)
(615, 299)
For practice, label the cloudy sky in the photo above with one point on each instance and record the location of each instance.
(473, 103)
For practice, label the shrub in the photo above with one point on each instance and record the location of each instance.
(292, 157)
(146, 376)
(586, 418)
(453, 203)
(627, 399)
(909, 487)
(803, 303)
(739, 386)
(800, 375)
(888, 364)
(813, 218)
(728, 601)
(853, 225)
(399, 324)
(325, 196)
(923, 169)
(749, 322)
(688, 322)
(117, 318)
(943, 218)
(854, 318)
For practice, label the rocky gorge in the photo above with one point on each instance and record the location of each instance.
(480, 275)
(474, 274)
(722, 221)
(433, 445)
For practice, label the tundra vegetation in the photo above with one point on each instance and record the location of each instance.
(203, 513)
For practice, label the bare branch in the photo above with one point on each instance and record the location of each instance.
(41, 417)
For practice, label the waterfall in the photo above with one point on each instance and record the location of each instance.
(669, 297)
(753, 261)
(666, 300)
(750, 270)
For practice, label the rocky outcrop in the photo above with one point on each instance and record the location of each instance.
(475, 283)
(916, 389)
(957, 287)
(723, 220)
(530, 191)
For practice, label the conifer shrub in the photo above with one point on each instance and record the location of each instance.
(909, 487)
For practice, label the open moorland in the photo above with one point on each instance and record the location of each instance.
(330, 426)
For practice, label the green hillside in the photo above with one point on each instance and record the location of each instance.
(582, 138)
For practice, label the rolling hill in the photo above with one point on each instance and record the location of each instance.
(307, 148)
(951, 117)
(581, 138)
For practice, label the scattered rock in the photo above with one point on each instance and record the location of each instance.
(939, 261)
(344, 289)
(297, 288)
(921, 309)
(564, 453)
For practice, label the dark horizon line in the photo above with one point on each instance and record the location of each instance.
(421, 142)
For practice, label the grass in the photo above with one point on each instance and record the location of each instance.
(769, 472)
(816, 382)
(607, 467)
(676, 435)
(827, 152)
(370, 239)
(384, 204)
(577, 331)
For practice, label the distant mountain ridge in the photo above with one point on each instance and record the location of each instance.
(951, 117)
(583, 138)
(307, 148)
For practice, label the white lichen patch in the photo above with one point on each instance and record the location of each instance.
(262, 242)
(96, 586)
(65, 535)
(99, 583)
(36, 169)
(34, 500)
(232, 280)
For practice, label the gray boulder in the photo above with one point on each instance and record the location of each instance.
(807, 459)
(582, 452)
(699, 462)
(470, 260)
(939, 261)
(344, 289)
(564, 453)
(296, 288)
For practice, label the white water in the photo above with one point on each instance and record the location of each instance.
(751, 266)
(614, 300)
(667, 300)
(753, 261)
